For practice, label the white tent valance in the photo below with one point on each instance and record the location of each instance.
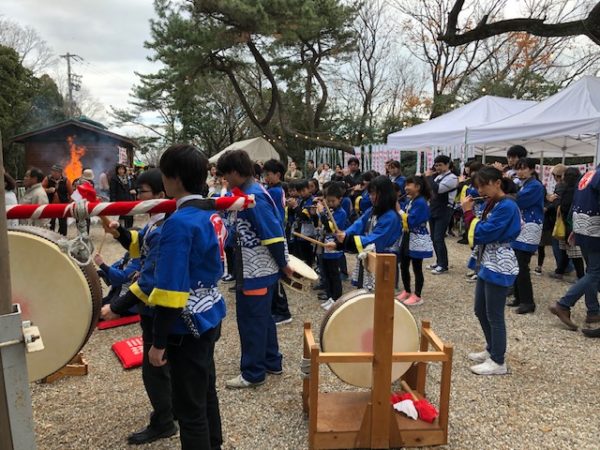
(257, 148)
(449, 129)
(566, 124)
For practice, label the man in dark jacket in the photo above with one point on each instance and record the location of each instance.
(59, 190)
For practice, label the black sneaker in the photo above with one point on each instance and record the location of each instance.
(148, 435)
(281, 320)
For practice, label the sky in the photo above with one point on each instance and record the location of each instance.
(108, 34)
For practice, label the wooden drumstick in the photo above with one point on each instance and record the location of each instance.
(309, 239)
(330, 214)
(407, 388)
(99, 251)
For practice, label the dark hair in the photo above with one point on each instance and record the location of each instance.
(489, 174)
(383, 187)
(571, 176)
(257, 170)
(301, 184)
(335, 190)
(517, 150)
(395, 164)
(339, 165)
(236, 161)
(474, 166)
(525, 163)
(34, 172)
(187, 163)
(310, 161)
(368, 176)
(152, 178)
(442, 159)
(9, 182)
(424, 189)
(118, 166)
(285, 187)
(274, 166)
(354, 160)
(314, 181)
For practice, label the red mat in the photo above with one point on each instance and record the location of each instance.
(104, 324)
(130, 352)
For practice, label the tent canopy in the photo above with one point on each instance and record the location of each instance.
(449, 129)
(257, 148)
(566, 124)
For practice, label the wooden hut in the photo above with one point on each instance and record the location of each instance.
(76, 144)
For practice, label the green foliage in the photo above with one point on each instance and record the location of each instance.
(26, 103)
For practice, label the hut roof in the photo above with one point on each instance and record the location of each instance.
(82, 123)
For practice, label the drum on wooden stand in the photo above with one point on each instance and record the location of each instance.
(302, 277)
(59, 297)
(348, 327)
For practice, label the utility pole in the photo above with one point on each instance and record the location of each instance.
(74, 80)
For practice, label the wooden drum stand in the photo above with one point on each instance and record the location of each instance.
(367, 419)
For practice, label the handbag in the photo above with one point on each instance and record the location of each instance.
(559, 232)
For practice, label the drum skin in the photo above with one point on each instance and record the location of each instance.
(348, 327)
(62, 299)
(302, 277)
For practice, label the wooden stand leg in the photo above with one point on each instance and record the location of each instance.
(77, 367)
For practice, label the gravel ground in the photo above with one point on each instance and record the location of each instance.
(548, 401)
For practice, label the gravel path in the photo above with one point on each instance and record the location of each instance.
(548, 401)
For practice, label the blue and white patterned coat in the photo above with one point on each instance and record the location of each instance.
(414, 223)
(491, 238)
(530, 200)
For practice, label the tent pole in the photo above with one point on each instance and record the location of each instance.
(596, 156)
(542, 162)
(483, 156)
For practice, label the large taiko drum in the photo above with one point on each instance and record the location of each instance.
(348, 327)
(59, 297)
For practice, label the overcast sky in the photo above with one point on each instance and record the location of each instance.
(108, 34)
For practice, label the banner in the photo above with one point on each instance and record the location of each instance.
(122, 155)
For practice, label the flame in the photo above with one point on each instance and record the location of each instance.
(74, 168)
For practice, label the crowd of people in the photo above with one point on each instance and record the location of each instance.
(171, 268)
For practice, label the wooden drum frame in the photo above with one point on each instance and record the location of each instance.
(59, 297)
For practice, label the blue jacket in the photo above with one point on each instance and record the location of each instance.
(121, 272)
(401, 182)
(491, 238)
(414, 225)
(384, 231)
(259, 228)
(188, 268)
(530, 200)
(586, 211)
(278, 196)
(362, 202)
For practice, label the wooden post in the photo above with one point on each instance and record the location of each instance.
(445, 390)
(5, 308)
(383, 336)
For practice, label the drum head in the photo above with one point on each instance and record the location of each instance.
(60, 298)
(348, 327)
(302, 269)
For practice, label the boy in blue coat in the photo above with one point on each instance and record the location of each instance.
(261, 246)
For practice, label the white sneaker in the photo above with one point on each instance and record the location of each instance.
(489, 367)
(479, 357)
(328, 304)
(432, 266)
(240, 382)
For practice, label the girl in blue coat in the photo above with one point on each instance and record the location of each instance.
(416, 243)
(380, 225)
(495, 262)
(530, 200)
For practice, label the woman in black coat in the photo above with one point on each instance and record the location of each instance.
(122, 190)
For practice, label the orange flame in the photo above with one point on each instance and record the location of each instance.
(74, 168)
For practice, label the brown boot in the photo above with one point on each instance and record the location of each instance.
(595, 318)
(564, 315)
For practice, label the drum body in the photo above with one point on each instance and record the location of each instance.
(302, 277)
(348, 327)
(59, 297)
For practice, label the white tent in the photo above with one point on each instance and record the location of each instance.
(564, 125)
(449, 129)
(258, 149)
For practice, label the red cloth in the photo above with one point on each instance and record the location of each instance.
(105, 324)
(130, 352)
(427, 412)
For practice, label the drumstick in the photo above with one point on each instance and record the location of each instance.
(330, 214)
(102, 243)
(309, 239)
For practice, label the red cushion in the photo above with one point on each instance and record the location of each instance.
(130, 352)
(104, 324)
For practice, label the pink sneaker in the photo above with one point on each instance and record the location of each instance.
(413, 300)
(402, 296)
